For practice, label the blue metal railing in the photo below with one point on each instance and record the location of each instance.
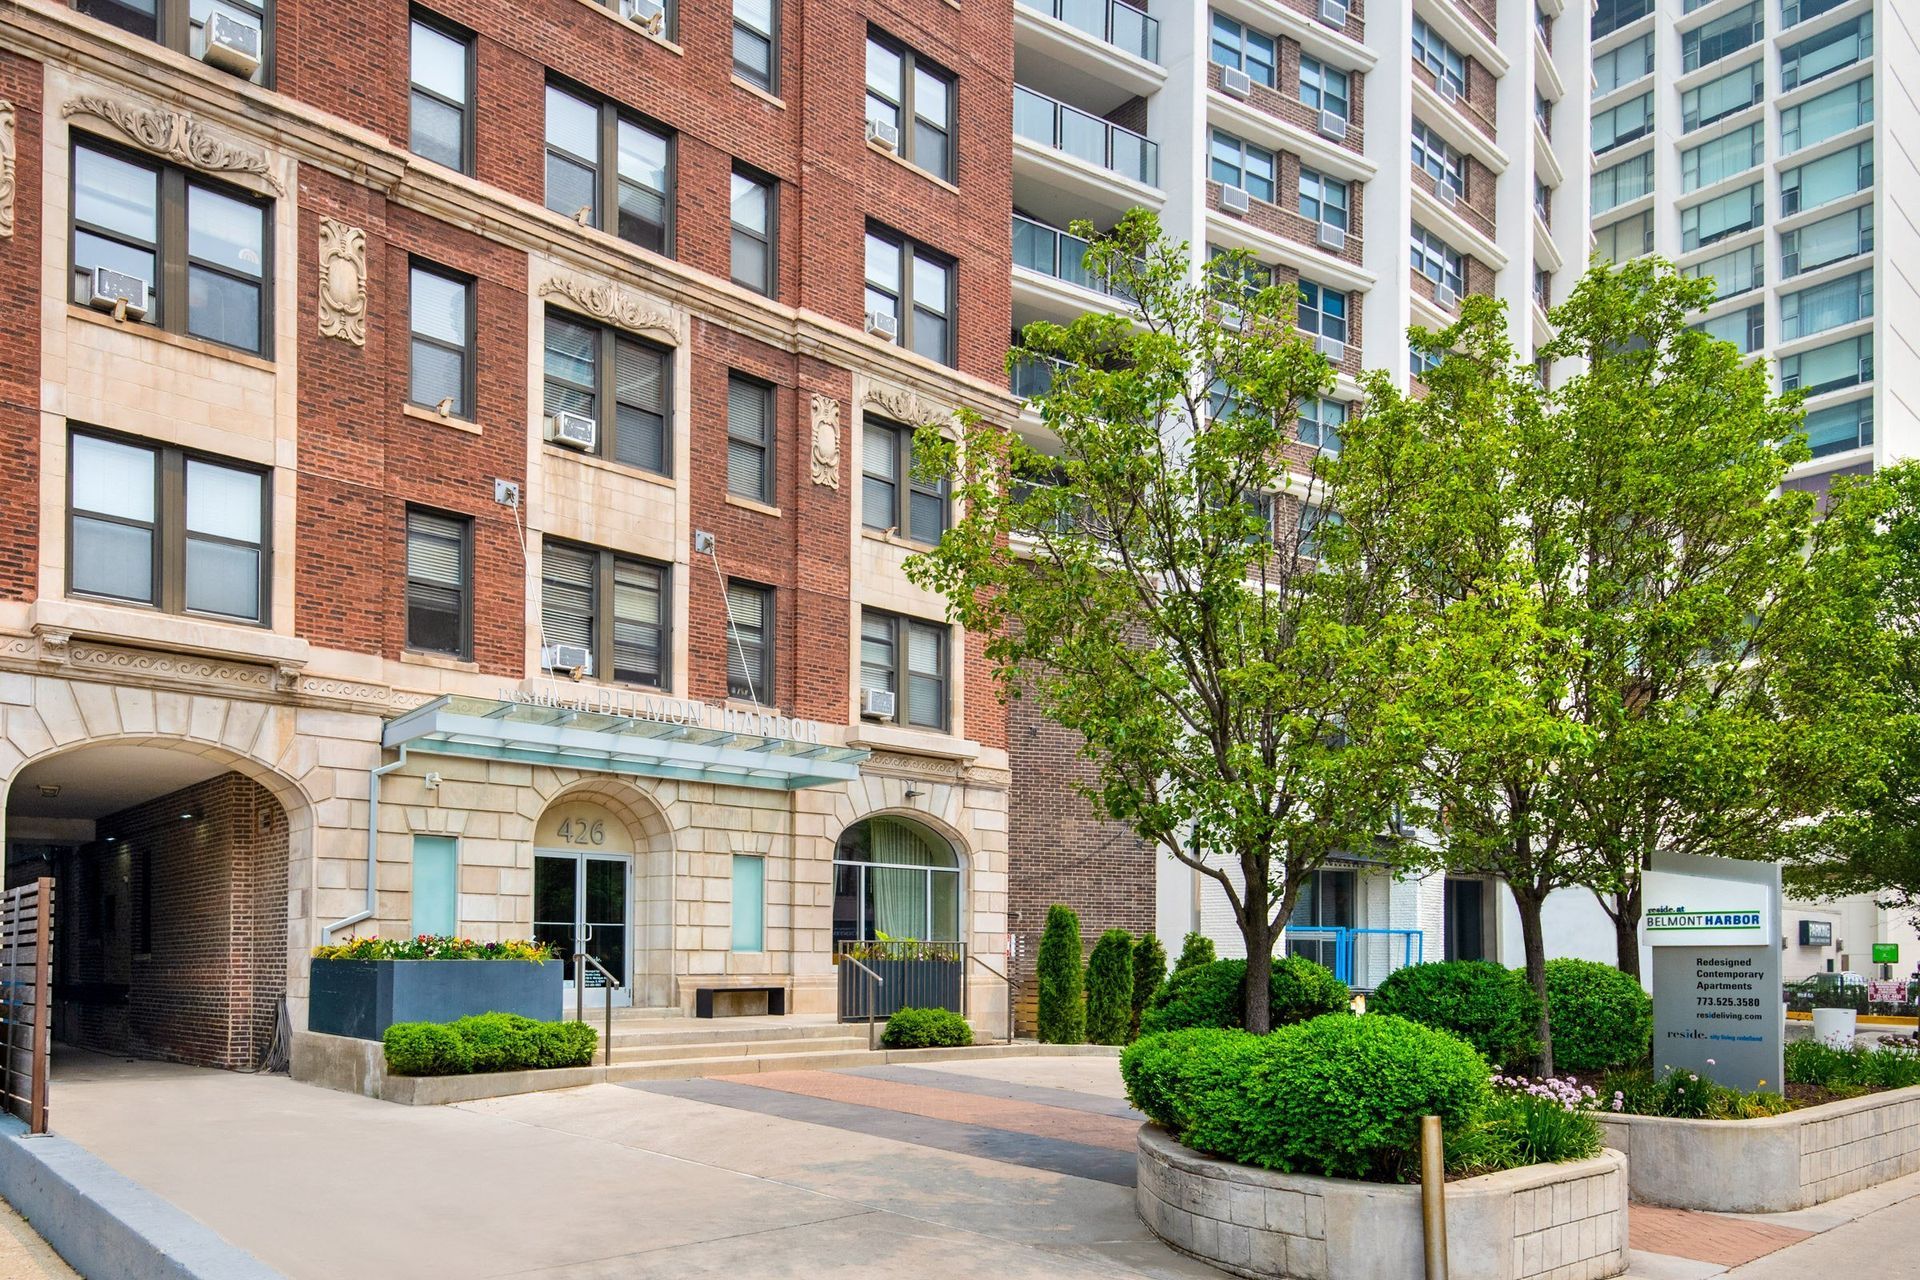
(1354, 959)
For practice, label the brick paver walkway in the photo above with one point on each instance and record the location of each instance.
(1706, 1237)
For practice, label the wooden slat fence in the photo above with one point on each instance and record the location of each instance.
(26, 999)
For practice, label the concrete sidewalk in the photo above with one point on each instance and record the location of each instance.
(601, 1182)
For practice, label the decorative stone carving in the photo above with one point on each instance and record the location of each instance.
(895, 764)
(907, 407)
(6, 168)
(175, 135)
(343, 282)
(826, 441)
(615, 306)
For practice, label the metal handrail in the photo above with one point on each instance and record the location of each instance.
(580, 1002)
(873, 980)
(1007, 978)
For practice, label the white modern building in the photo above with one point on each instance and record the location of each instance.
(1389, 157)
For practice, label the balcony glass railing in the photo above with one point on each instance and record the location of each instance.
(1032, 378)
(1120, 25)
(1085, 136)
(1052, 252)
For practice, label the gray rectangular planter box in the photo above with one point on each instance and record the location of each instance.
(362, 998)
(1772, 1164)
(904, 984)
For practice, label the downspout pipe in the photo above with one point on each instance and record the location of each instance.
(373, 847)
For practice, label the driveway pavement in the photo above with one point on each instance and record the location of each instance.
(1009, 1168)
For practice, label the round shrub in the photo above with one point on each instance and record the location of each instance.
(1171, 1074)
(1600, 1017)
(1149, 971)
(1338, 1096)
(1196, 949)
(926, 1029)
(499, 1041)
(1063, 1008)
(426, 1049)
(1110, 988)
(1488, 1005)
(563, 1044)
(1209, 995)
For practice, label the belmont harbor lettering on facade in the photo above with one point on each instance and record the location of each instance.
(1663, 919)
(660, 710)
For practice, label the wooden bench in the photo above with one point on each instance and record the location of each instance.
(703, 999)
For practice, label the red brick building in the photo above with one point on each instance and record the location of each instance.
(544, 370)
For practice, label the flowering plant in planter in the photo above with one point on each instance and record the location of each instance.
(429, 946)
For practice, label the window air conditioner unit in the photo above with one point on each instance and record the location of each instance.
(1234, 200)
(876, 704)
(1447, 92)
(574, 430)
(575, 659)
(1789, 381)
(1332, 238)
(883, 325)
(108, 289)
(1790, 263)
(649, 15)
(1789, 202)
(1866, 368)
(1235, 82)
(233, 44)
(883, 135)
(1333, 13)
(1333, 125)
(1446, 193)
(1444, 295)
(1332, 348)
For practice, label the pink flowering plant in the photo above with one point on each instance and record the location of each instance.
(1530, 1121)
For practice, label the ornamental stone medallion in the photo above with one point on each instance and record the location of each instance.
(343, 282)
(826, 441)
(6, 168)
(175, 136)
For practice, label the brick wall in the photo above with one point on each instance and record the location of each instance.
(1060, 852)
(207, 899)
(20, 82)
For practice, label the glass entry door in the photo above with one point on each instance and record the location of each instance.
(581, 902)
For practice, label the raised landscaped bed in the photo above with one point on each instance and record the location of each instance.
(1541, 1220)
(361, 988)
(1771, 1164)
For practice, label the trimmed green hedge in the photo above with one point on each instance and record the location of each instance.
(487, 1042)
(1110, 988)
(1601, 1019)
(1196, 949)
(1338, 1096)
(1063, 1004)
(1209, 995)
(926, 1029)
(1489, 1006)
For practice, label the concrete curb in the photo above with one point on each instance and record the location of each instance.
(105, 1225)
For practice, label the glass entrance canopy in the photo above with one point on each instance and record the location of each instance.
(669, 747)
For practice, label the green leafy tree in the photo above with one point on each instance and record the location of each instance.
(1609, 591)
(1196, 949)
(1063, 1006)
(1149, 971)
(1110, 988)
(1152, 583)
(1869, 546)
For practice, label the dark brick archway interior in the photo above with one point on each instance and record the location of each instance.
(171, 927)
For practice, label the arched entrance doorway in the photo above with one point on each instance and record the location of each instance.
(895, 878)
(593, 880)
(171, 898)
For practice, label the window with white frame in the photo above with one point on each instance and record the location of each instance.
(1323, 199)
(1439, 159)
(1243, 165)
(1432, 51)
(1437, 260)
(1239, 46)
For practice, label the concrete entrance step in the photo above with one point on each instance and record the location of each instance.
(624, 1053)
(747, 1064)
(699, 1031)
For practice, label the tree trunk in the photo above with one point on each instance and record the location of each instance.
(1626, 932)
(1257, 993)
(1533, 939)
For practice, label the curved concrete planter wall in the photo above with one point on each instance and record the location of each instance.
(1545, 1220)
(1773, 1164)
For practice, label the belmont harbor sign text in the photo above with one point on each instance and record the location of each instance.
(661, 710)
